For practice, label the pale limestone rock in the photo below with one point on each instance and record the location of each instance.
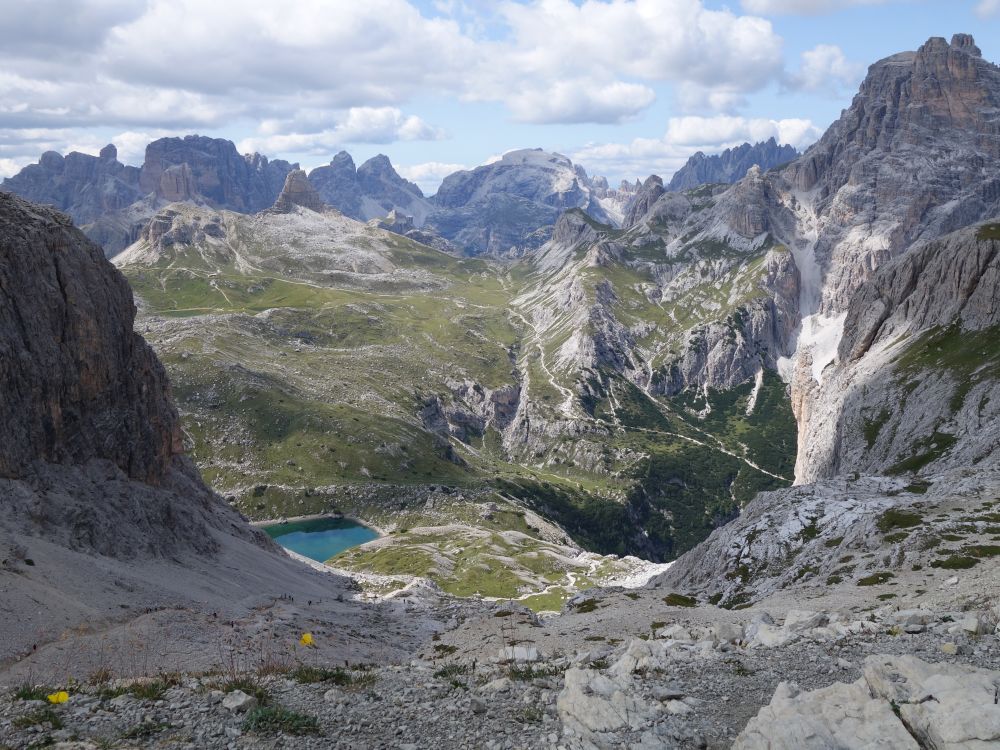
(946, 706)
(726, 632)
(839, 716)
(591, 703)
(800, 620)
(771, 636)
(237, 701)
(639, 656)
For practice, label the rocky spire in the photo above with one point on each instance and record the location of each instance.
(644, 199)
(298, 191)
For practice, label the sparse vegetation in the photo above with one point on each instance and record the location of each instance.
(897, 519)
(875, 579)
(270, 720)
(679, 600)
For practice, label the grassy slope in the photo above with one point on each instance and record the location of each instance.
(313, 404)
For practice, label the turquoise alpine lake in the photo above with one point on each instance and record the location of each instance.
(320, 538)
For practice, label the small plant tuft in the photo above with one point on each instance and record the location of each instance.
(277, 720)
(679, 600)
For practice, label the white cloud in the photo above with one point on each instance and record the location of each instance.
(321, 73)
(581, 101)
(591, 62)
(802, 7)
(683, 137)
(10, 167)
(825, 68)
(429, 175)
(987, 8)
(356, 125)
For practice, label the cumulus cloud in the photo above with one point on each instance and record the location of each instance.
(356, 125)
(987, 8)
(581, 101)
(569, 62)
(428, 175)
(686, 135)
(320, 73)
(802, 7)
(825, 68)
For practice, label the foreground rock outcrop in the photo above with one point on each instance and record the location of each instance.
(104, 521)
(900, 702)
(78, 384)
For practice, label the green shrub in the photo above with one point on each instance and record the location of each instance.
(277, 719)
(897, 519)
(679, 600)
(955, 562)
(875, 579)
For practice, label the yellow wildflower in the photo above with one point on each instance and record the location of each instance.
(59, 697)
(306, 639)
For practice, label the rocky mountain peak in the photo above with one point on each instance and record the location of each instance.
(731, 165)
(967, 43)
(79, 384)
(378, 174)
(298, 191)
(644, 199)
(109, 152)
(216, 171)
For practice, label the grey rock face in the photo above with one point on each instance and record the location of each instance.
(913, 158)
(731, 164)
(509, 207)
(369, 192)
(298, 191)
(91, 189)
(192, 167)
(85, 187)
(796, 538)
(643, 201)
(78, 383)
(337, 184)
(112, 202)
(916, 384)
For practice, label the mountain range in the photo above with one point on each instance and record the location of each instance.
(788, 386)
(505, 208)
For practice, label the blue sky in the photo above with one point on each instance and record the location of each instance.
(624, 87)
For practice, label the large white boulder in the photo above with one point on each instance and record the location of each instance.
(801, 620)
(839, 716)
(947, 706)
(770, 636)
(590, 704)
(640, 656)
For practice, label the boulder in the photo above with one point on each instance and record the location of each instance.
(770, 636)
(800, 620)
(838, 716)
(946, 706)
(639, 656)
(237, 701)
(591, 703)
(727, 632)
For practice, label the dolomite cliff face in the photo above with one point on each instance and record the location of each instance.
(915, 387)
(78, 383)
(913, 158)
(90, 442)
